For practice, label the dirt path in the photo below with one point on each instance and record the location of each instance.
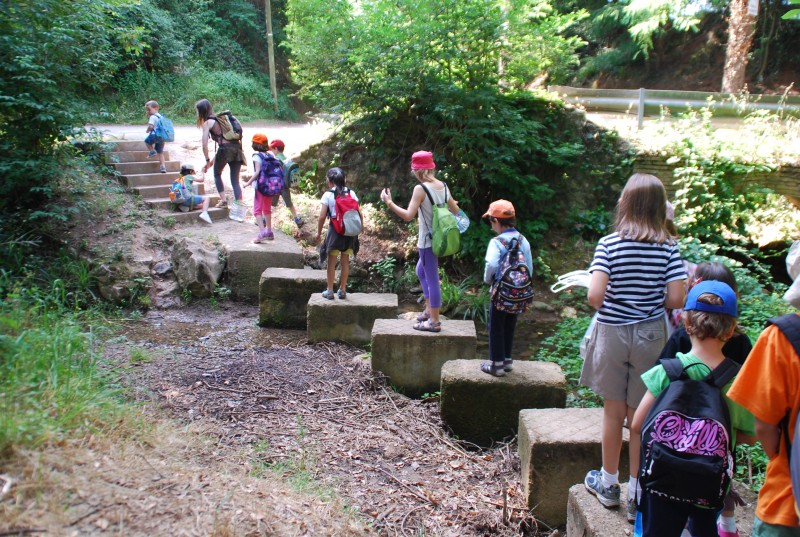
(316, 415)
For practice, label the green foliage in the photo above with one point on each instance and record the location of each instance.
(792, 14)
(751, 465)
(563, 348)
(648, 18)
(50, 325)
(247, 95)
(44, 71)
(389, 55)
(591, 223)
(384, 270)
(452, 293)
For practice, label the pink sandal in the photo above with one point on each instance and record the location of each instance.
(428, 326)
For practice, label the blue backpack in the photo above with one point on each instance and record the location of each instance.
(164, 130)
(270, 179)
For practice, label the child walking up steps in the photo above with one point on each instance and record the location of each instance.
(636, 272)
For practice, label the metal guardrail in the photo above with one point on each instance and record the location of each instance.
(649, 102)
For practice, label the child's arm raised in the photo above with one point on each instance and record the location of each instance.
(409, 213)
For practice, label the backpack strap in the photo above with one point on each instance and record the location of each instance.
(674, 368)
(724, 372)
(790, 326)
(430, 196)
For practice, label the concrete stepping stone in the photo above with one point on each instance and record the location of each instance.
(284, 293)
(587, 518)
(412, 359)
(349, 320)
(248, 261)
(482, 408)
(557, 446)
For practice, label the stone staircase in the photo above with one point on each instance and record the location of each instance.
(141, 176)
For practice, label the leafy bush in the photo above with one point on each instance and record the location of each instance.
(248, 96)
(563, 348)
(44, 72)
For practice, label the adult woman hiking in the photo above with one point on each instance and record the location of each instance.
(229, 151)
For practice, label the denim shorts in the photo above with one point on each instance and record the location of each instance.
(617, 355)
(151, 140)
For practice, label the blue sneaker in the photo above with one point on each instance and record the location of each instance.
(608, 496)
(630, 512)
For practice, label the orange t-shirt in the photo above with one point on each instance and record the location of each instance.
(768, 385)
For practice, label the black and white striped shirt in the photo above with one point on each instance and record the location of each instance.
(638, 273)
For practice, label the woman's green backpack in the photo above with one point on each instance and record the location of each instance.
(445, 236)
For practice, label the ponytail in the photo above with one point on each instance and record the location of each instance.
(337, 177)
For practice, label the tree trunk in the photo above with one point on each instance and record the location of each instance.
(740, 38)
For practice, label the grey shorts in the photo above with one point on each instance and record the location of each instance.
(617, 355)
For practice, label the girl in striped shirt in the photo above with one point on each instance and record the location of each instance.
(636, 272)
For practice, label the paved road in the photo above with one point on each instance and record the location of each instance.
(297, 136)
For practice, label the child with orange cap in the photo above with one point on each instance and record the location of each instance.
(502, 218)
(262, 205)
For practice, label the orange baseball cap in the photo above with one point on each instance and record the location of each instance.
(260, 139)
(500, 209)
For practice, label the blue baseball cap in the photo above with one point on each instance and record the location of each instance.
(720, 289)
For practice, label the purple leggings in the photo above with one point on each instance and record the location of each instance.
(428, 274)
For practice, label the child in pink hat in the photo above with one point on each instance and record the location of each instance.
(423, 166)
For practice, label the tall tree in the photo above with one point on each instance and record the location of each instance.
(740, 38)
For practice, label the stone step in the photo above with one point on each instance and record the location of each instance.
(191, 217)
(129, 145)
(586, 517)
(481, 408)
(156, 192)
(557, 447)
(284, 294)
(149, 167)
(132, 156)
(349, 320)
(164, 203)
(248, 261)
(412, 359)
(151, 179)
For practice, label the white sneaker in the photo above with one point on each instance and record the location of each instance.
(204, 216)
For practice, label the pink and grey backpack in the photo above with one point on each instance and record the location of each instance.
(687, 449)
(270, 179)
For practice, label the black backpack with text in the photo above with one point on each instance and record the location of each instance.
(687, 443)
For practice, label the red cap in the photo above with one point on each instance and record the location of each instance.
(422, 160)
(277, 144)
(260, 139)
(500, 209)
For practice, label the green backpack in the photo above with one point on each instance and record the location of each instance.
(445, 236)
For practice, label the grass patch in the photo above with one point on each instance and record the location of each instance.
(51, 385)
